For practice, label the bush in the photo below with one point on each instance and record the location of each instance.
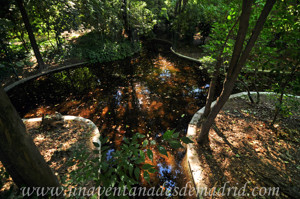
(96, 49)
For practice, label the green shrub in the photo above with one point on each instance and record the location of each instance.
(96, 49)
(120, 168)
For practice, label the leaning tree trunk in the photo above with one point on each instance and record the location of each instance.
(213, 81)
(18, 153)
(238, 60)
(31, 35)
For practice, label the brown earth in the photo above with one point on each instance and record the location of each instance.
(245, 149)
(57, 144)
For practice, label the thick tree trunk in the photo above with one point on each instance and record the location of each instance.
(18, 153)
(238, 60)
(31, 35)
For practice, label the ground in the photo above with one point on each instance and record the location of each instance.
(57, 144)
(244, 148)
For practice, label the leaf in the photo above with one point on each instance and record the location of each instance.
(95, 196)
(147, 166)
(175, 135)
(153, 142)
(186, 140)
(145, 143)
(147, 176)
(162, 150)
(104, 166)
(126, 140)
(182, 115)
(152, 170)
(150, 154)
(113, 180)
(20, 64)
(140, 135)
(175, 144)
(137, 173)
(96, 144)
(168, 134)
(141, 159)
(130, 168)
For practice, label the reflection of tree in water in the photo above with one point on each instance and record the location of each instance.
(153, 92)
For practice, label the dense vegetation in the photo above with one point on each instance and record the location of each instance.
(37, 35)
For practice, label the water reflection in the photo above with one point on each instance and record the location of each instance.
(148, 93)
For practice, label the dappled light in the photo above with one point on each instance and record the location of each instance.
(254, 148)
(143, 75)
(125, 99)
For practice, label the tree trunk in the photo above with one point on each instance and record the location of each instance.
(18, 153)
(127, 27)
(31, 35)
(238, 60)
(213, 82)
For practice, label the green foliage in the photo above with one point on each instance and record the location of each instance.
(208, 63)
(290, 104)
(76, 79)
(122, 167)
(140, 17)
(277, 48)
(220, 28)
(94, 48)
(198, 16)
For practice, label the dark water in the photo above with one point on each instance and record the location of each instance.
(149, 93)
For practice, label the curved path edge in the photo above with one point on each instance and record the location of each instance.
(7, 88)
(185, 57)
(193, 160)
(95, 134)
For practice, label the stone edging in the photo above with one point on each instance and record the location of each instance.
(95, 132)
(176, 53)
(185, 57)
(163, 40)
(192, 156)
(7, 88)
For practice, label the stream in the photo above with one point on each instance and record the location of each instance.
(148, 93)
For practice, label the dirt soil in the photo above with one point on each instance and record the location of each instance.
(57, 144)
(244, 148)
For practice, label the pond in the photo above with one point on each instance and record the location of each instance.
(148, 93)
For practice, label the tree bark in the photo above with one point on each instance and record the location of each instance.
(213, 82)
(238, 60)
(18, 153)
(33, 43)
